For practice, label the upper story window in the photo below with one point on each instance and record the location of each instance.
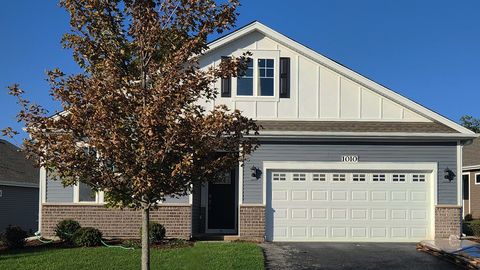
(245, 81)
(265, 77)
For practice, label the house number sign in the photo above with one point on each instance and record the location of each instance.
(350, 158)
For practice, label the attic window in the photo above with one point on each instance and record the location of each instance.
(258, 79)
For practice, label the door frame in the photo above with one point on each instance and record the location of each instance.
(432, 167)
(469, 194)
(236, 209)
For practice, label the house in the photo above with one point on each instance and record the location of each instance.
(342, 158)
(471, 179)
(18, 189)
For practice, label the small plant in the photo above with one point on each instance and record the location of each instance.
(87, 237)
(157, 232)
(468, 217)
(14, 237)
(66, 229)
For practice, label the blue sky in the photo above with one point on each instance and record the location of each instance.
(428, 51)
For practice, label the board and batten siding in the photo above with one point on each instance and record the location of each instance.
(444, 154)
(19, 207)
(317, 92)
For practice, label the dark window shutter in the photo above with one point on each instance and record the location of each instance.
(226, 87)
(284, 77)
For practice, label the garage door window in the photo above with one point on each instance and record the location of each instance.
(319, 177)
(279, 177)
(299, 177)
(398, 178)
(359, 177)
(418, 178)
(339, 177)
(378, 177)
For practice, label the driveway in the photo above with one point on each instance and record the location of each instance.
(296, 256)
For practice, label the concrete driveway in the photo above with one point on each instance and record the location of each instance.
(295, 256)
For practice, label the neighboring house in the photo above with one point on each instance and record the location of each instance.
(471, 179)
(18, 189)
(342, 158)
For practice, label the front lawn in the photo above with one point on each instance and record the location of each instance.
(203, 255)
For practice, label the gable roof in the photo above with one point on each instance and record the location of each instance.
(471, 155)
(15, 168)
(342, 70)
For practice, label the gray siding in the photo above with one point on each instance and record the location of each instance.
(182, 199)
(445, 154)
(19, 206)
(55, 192)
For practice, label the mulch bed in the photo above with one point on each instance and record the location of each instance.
(164, 244)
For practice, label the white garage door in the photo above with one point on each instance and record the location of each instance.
(349, 206)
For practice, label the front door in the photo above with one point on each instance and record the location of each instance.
(222, 205)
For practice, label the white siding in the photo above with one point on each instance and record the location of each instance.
(316, 92)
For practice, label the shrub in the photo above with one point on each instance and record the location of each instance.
(157, 232)
(468, 217)
(471, 228)
(14, 237)
(66, 229)
(87, 237)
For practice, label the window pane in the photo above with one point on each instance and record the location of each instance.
(245, 86)
(85, 193)
(266, 86)
(477, 178)
(265, 73)
(269, 73)
(245, 81)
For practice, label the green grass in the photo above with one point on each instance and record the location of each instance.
(203, 255)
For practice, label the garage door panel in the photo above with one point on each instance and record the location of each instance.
(356, 206)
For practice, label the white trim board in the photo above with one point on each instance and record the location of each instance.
(322, 60)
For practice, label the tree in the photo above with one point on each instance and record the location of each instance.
(471, 123)
(131, 124)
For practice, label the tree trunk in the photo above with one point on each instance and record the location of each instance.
(145, 238)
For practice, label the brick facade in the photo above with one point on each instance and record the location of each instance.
(117, 223)
(448, 221)
(252, 222)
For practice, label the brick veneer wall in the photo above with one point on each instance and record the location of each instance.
(448, 221)
(252, 222)
(117, 223)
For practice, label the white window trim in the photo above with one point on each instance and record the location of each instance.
(260, 54)
(99, 196)
(476, 183)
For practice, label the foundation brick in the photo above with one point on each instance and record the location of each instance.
(252, 223)
(117, 223)
(448, 220)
